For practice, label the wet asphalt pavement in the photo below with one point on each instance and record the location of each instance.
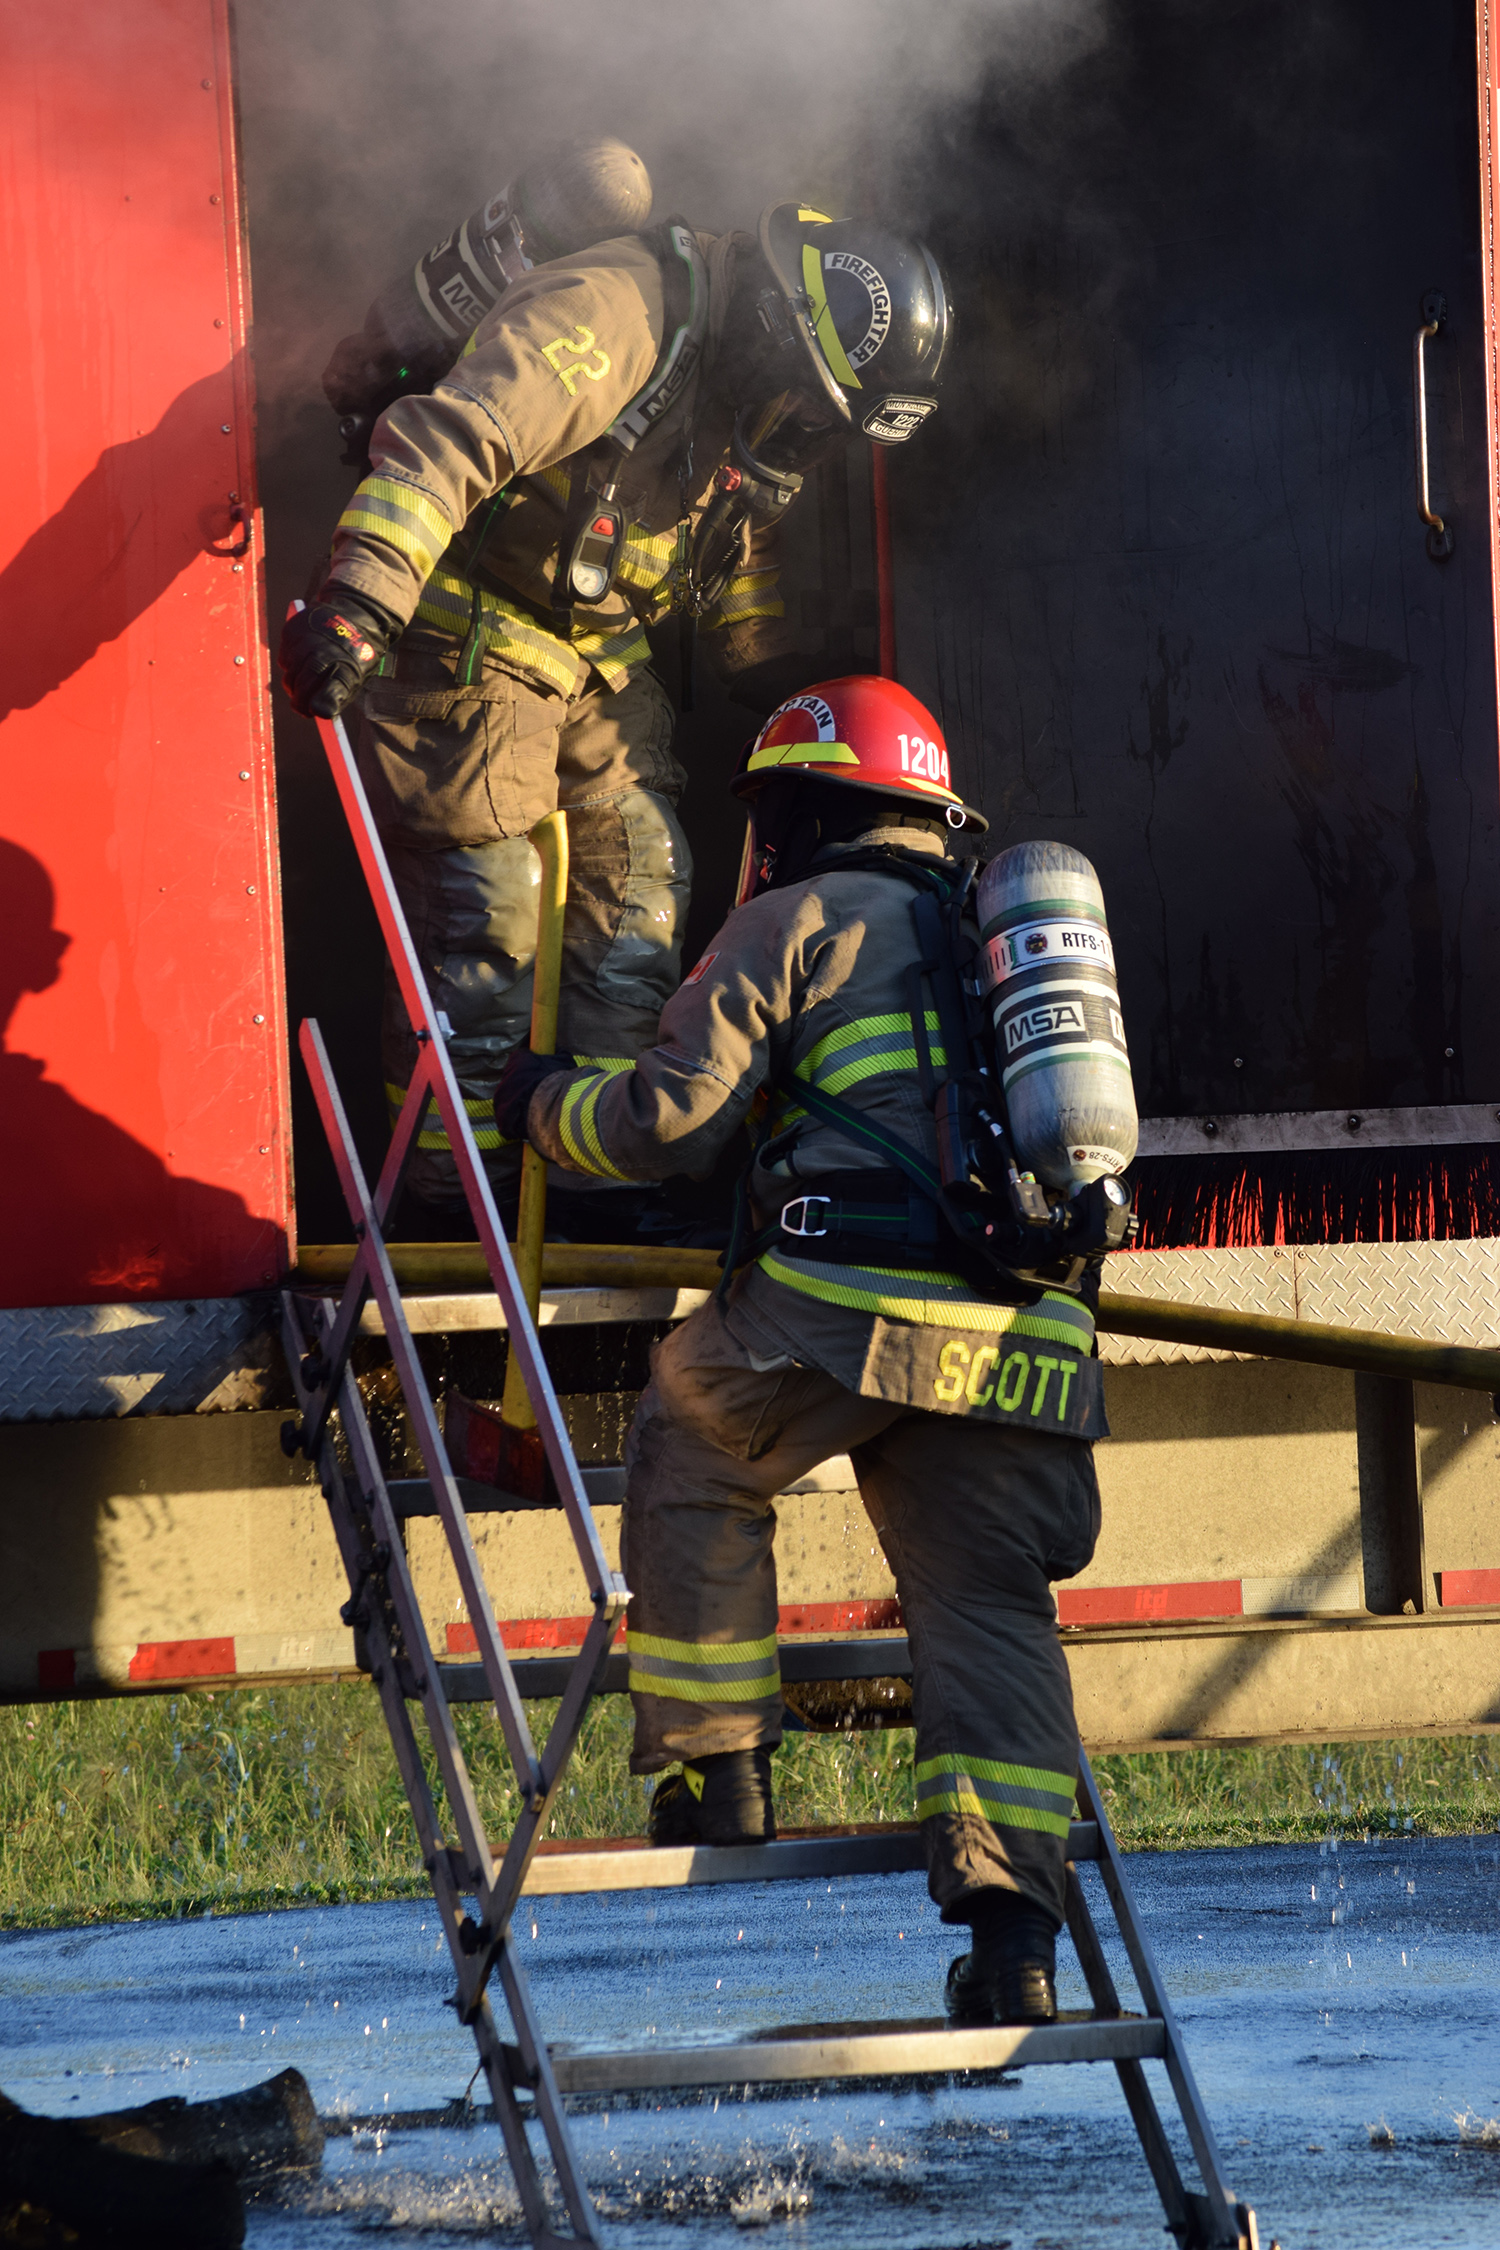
(1342, 2012)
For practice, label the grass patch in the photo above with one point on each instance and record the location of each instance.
(219, 1802)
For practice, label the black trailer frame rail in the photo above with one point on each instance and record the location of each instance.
(527, 2079)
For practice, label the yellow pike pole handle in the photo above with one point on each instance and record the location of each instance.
(550, 840)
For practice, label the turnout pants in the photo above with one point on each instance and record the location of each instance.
(456, 778)
(975, 1519)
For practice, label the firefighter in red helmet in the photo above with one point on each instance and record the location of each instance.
(861, 1324)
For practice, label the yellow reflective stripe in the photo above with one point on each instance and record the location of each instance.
(706, 1691)
(615, 655)
(873, 1033)
(588, 1125)
(876, 1066)
(701, 1652)
(434, 1133)
(802, 754)
(511, 637)
(828, 335)
(704, 1671)
(645, 558)
(410, 501)
(403, 517)
(579, 1129)
(753, 594)
(859, 1289)
(1003, 1770)
(855, 1034)
(448, 603)
(998, 1816)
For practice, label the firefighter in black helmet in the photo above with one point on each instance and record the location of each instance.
(618, 442)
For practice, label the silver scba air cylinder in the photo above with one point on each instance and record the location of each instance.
(569, 197)
(1049, 969)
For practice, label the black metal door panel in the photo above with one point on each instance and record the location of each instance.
(1161, 568)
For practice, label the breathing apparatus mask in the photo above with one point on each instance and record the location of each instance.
(770, 452)
(794, 818)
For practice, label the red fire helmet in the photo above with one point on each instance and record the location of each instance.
(865, 732)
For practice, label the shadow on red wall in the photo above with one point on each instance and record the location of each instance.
(88, 1215)
(111, 550)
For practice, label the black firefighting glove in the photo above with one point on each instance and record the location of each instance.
(329, 650)
(519, 1080)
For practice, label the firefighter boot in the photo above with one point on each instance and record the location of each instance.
(722, 1799)
(1008, 1977)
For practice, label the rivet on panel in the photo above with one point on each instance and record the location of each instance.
(224, 426)
(213, 199)
(244, 773)
(257, 1019)
(239, 660)
(249, 890)
(238, 569)
(207, 84)
(218, 324)
(264, 1150)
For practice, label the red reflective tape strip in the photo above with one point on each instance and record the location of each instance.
(1468, 1589)
(799, 1617)
(182, 1660)
(1136, 1605)
(527, 1632)
(56, 1668)
(839, 1617)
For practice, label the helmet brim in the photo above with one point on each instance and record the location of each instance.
(747, 786)
(781, 227)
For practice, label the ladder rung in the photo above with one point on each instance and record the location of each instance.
(801, 1660)
(412, 1496)
(631, 1864)
(604, 1485)
(864, 2050)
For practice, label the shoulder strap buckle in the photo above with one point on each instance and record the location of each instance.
(802, 1225)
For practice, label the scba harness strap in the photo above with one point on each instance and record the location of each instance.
(594, 524)
(943, 1214)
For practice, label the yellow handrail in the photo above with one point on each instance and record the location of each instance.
(460, 1266)
(550, 841)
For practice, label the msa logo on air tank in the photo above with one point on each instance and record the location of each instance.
(1049, 973)
(1053, 1019)
(462, 302)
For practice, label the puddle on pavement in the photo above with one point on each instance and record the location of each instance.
(1340, 2008)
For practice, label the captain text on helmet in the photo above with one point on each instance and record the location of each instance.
(616, 442)
(914, 1289)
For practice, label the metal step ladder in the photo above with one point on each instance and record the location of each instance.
(527, 2080)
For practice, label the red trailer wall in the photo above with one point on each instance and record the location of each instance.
(143, 1103)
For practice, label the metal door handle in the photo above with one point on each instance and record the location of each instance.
(1434, 314)
(240, 517)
